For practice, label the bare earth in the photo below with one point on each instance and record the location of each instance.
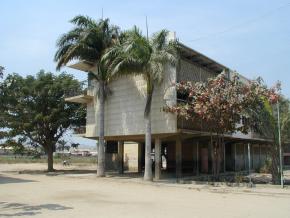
(83, 195)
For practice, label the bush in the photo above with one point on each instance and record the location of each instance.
(239, 178)
(267, 167)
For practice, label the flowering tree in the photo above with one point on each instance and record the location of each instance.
(222, 104)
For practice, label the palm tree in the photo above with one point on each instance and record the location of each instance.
(137, 55)
(88, 41)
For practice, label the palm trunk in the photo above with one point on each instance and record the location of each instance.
(101, 145)
(50, 158)
(148, 162)
(147, 116)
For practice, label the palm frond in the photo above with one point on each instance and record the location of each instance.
(87, 41)
(159, 39)
(83, 21)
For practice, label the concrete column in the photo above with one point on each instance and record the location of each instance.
(224, 157)
(178, 158)
(121, 157)
(235, 156)
(197, 158)
(249, 161)
(245, 157)
(157, 158)
(140, 148)
(260, 159)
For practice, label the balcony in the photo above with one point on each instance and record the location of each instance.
(83, 66)
(202, 127)
(81, 96)
(197, 125)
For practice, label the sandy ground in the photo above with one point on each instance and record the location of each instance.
(84, 195)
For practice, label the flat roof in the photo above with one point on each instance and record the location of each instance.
(186, 52)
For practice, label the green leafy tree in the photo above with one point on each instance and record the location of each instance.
(137, 55)
(33, 109)
(1, 71)
(267, 118)
(88, 41)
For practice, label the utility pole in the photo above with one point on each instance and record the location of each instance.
(147, 29)
(280, 145)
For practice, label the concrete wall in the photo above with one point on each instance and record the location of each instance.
(124, 109)
(131, 157)
(90, 120)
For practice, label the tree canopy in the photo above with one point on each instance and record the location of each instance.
(33, 109)
(1, 71)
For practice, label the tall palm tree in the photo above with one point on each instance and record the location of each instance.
(88, 41)
(138, 55)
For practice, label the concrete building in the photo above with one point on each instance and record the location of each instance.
(178, 145)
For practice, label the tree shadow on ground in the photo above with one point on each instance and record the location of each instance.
(6, 180)
(125, 175)
(19, 209)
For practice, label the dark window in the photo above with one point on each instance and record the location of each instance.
(111, 147)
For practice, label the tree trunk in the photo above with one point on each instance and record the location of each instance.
(147, 116)
(148, 162)
(275, 164)
(50, 158)
(101, 145)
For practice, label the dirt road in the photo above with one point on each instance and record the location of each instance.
(38, 195)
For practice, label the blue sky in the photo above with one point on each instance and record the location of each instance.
(252, 37)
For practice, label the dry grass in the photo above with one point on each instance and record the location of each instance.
(10, 159)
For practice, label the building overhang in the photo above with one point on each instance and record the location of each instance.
(200, 59)
(83, 66)
(81, 99)
(228, 137)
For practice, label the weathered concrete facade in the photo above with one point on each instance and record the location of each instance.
(178, 146)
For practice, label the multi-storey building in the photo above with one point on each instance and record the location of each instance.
(183, 145)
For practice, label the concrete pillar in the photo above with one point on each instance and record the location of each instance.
(197, 158)
(157, 158)
(224, 157)
(121, 157)
(178, 158)
(235, 156)
(249, 160)
(260, 158)
(140, 148)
